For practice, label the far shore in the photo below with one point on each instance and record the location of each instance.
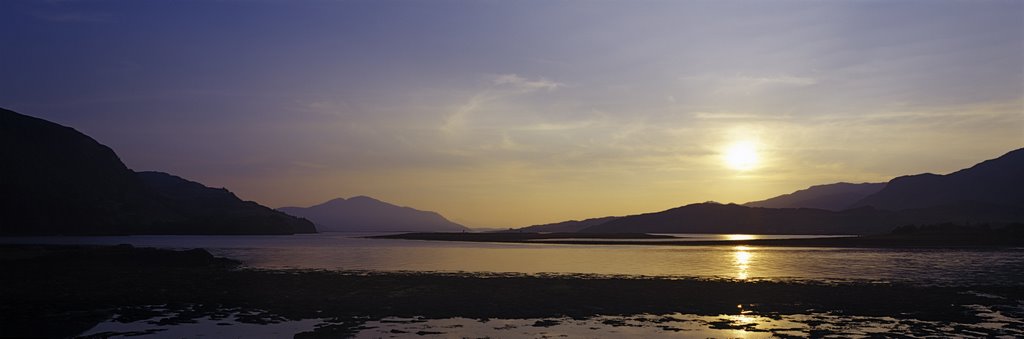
(914, 240)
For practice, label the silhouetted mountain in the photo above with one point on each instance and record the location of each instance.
(368, 214)
(56, 180)
(219, 210)
(999, 182)
(565, 226)
(833, 197)
(989, 192)
(732, 218)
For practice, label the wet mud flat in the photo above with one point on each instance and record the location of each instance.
(674, 325)
(62, 291)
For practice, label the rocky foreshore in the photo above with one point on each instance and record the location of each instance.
(61, 291)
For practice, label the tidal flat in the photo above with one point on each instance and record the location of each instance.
(67, 291)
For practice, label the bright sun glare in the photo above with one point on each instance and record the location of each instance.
(741, 156)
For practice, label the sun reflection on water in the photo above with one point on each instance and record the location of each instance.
(739, 237)
(741, 258)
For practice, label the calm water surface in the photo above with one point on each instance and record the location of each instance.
(348, 251)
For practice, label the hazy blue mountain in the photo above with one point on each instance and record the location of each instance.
(833, 197)
(564, 226)
(56, 180)
(999, 182)
(363, 213)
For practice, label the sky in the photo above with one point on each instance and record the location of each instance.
(511, 113)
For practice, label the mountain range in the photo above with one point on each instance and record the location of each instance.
(362, 213)
(58, 181)
(733, 218)
(833, 197)
(997, 181)
(989, 192)
(565, 226)
(221, 210)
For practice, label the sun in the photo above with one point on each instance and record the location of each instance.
(741, 156)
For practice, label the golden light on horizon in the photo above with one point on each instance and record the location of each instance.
(741, 156)
(739, 237)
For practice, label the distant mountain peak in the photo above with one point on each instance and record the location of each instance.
(359, 199)
(335, 201)
(364, 213)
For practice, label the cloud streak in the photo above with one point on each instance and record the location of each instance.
(515, 81)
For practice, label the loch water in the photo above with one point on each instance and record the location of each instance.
(354, 252)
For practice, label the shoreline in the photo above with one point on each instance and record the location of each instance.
(64, 290)
(934, 240)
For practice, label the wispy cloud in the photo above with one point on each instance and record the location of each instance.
(750, 81)
(561, 126)
(457, 119)
(524, 84)
(737, 116)
(784, 80)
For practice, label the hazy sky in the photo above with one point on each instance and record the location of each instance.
(508, 113)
